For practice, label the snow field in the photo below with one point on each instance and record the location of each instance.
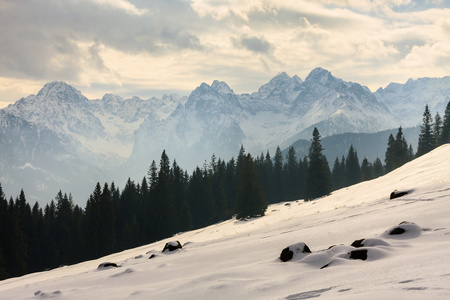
(240, 259)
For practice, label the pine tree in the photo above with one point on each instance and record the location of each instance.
(93, 223)
(267, 179)
(4, 234)
(426, 139)
(164, 199)
(338, 173)
(377, 168)
(77, 243)
(292, 176)
(437, 130)
(36, 255)
(63, 223)
(366, 170)
(3, 272)
(445, 133)
(16, 251)
(50, 245)
(250, 197)
(318, 181)
(352, 168)
(107, 221)
(389, 159)
(400, 151)
(279, 183)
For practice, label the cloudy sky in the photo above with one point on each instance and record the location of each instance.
(150, 47)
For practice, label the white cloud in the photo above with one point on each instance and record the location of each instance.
(178, 44)
(123, 5)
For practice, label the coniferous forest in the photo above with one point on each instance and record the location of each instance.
(169, 200)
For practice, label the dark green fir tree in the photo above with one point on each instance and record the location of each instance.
(318, 180)
(250, 200)
(426, 139)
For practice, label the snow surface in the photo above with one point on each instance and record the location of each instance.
(239, 259)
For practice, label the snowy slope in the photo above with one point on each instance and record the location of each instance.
(239, 259)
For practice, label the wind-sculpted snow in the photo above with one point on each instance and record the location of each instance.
(239, 259)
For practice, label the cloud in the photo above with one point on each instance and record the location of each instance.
(124, 5)
(45, 39)
(177, 44)
(254, 44)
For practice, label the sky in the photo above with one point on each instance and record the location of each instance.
(148, 48)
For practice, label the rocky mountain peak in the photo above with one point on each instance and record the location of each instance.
(221, 87)
(60, 91)
(279, 82)
(319, 75)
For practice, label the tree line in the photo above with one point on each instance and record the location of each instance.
(169, 200)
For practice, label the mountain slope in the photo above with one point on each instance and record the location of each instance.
(80, 141)
(116, 138)
(407, 101)
(216, 120)
(239, 259)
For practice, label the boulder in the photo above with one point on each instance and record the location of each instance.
(107, 265)
(172, 246)
(404, 230)
(358, 243)
(297, 251)
(397, 194)
(358, 254)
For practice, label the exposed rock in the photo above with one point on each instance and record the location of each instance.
(172, 246)
(358, 254)
(106, 265)
(298, 250)
(404, 230)
(358, 243)
(397, 230)
(397, 194)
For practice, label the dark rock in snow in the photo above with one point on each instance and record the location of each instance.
(397, 194)
(397, 230)
(293, 251)
(358, 254)
(404, 230)
(152, 256)
(358, 243)
(107, 265)
(286, 254)
(172, 246)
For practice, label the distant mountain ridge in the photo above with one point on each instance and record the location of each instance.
(112, 138)
(407, 101)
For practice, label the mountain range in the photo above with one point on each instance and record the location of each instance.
(59, 139)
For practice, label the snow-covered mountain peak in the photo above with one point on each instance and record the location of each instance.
(407, 101)
(111, 98)
(278, 85)
(221, 87)
(319, 75)
(280, 78)
(60, 91)
(297, 79)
